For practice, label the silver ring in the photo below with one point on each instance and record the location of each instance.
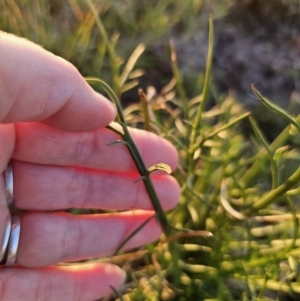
(9, 184)
(5, 240)
(13, 242)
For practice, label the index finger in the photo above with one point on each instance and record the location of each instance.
(40, 144)
(36, 85)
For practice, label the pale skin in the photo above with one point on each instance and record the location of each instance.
(52, 124)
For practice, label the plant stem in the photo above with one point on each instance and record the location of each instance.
(263, 141)
(271, 196)
(197, 121)
(250, 175)
(110, 47)
(145, 175)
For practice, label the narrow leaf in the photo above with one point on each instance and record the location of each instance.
(129, 85)
(195, 132)
(250, 176)
(274, 194)
(140, 179)
(226, 126)
(145, 105)
(226, 205)
(109, 45)
(118, 295)
(117, 142)
(259, 135)
(160, 166)
(124, 242)
(275, 108)
(179, 82)
(131, 63)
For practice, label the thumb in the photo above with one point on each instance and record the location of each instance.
(36, 85)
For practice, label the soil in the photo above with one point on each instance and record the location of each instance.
(257, 41)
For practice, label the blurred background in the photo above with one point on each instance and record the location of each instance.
(256, 41)
(140, 45)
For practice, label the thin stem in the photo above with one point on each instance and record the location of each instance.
(262, 140)
(179, 84)
(145, 175)
(225, 127)
(197, 122)
(250, 175)
(273, 195)
(110, 47)
(276, 109)
(123, 243)
(145, 106)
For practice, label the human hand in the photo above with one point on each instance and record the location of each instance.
(52, 124)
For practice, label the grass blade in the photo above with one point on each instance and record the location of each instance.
(250, 175)
(227, 126)
(118, 295)
(197, 121)
(123, 243)
(274, 194)
(177, 76)
(145, 105)
(276, 109)
(131, 63)
(110, 48)
(262, 140)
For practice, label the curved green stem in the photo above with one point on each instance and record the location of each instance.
(250, 175)
(280, 190)
(145, 176)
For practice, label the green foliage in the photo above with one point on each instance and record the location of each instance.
(253, 218)
(244, 190)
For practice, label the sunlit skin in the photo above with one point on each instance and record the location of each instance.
(53, 126)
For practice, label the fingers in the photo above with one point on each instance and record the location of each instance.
(85, 282)
(41, 144)
(7, 144)
(58, 188)
(47, 239)
(36, 85)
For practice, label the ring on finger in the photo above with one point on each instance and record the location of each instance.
(13, 242)
(5, 240)
(10, 243)
(9, 184)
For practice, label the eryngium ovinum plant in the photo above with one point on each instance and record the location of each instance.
(242, 190)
